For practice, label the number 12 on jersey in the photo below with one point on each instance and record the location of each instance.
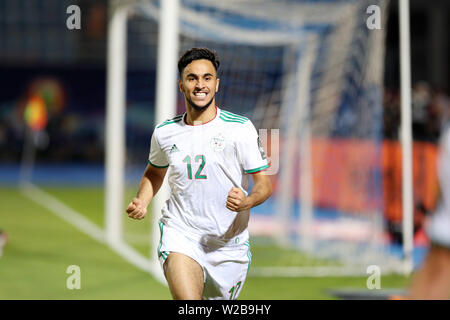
(197, 159)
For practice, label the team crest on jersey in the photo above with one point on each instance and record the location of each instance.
(218, 142)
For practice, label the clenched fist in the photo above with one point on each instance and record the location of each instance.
(136, 209)
(236, 200)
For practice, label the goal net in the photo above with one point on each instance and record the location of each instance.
(309, 76)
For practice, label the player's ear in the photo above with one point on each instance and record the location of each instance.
(217, 84)
(180, 85)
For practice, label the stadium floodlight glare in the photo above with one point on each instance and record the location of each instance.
(311, 69)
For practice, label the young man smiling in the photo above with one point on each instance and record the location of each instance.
(209, 154)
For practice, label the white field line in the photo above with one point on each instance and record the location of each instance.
(81, 223)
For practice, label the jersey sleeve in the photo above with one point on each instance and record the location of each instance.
(250, 151)
(157, 157)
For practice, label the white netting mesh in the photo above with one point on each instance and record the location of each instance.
(313, 71)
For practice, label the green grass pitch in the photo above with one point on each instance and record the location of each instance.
(41, 246)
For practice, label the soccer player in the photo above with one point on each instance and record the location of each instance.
(209, 154)
(432, 281)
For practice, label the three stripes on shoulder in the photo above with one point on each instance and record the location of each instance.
(173, 120)
(231, 117)
(224, 115)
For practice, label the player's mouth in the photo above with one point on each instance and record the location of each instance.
(198, 100)
(200, 94)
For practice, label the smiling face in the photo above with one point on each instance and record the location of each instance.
(199, 84)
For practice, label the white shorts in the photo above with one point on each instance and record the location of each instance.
(224, 269)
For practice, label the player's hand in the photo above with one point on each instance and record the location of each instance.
(136, 209)
(236, 200)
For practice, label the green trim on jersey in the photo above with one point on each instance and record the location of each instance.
(173, 120)
(154, 165)
(231, 117)
(257, 169)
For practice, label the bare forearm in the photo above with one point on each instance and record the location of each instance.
(148, 187)
(145, 192)
(259, 194)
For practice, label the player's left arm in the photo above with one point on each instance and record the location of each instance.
(262, 189)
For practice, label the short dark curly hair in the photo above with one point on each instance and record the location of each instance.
(198, 54)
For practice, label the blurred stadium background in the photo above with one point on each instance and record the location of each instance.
(53, 111)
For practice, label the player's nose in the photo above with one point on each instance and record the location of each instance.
(200, 84)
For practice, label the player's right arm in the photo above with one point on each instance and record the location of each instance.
(150, 183)
(151, 180)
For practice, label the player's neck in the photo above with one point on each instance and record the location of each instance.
(195, 117)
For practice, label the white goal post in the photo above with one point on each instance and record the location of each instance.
(115, 120)
(297, 35)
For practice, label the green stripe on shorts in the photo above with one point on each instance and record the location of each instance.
(249, 254)
(161, 227)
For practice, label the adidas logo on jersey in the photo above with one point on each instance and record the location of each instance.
(174, 149)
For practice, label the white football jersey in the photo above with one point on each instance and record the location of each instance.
(205, 161)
